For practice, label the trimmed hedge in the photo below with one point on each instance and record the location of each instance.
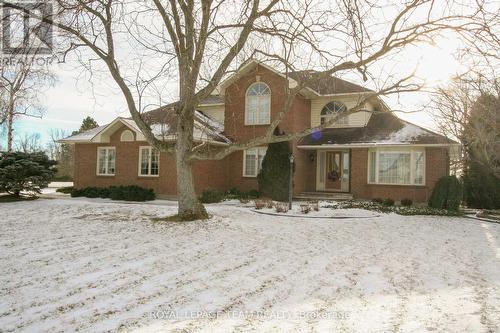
(388, 202)
(66, 190)
(401, 210)
(214, 196)
(447, 194)
(406, 202)
(127, 193)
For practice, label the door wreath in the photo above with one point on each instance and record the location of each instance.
(333, 175)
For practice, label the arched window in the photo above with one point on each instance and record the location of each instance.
(127, 135)
(330, 110)
(258, 104)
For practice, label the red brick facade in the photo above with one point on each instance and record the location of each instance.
(436, 160)
(228, 173)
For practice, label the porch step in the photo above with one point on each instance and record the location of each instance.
(337, 196)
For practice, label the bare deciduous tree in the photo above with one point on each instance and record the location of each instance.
(21, 86)
(455, 110)
(63, 153)
(202, 42)
(28, 143)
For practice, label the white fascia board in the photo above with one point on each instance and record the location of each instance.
(369, 145)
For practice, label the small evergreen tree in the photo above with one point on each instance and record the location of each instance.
(88, 123)
(447, 194)
(275, 173)
(29, 172)
(481, 187)
(482, 145)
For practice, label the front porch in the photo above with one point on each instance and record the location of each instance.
(323, 173)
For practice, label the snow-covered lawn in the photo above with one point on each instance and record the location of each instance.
(88, 265)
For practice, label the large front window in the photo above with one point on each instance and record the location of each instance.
(149, 161)
(252, 161)
(258, 104)
(106, 159)
(396, 166)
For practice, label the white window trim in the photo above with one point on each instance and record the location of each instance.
(97, 164)
(343, 121)
(141, 148)
(257, 149)
(410, 150)
(129, 133)
(246, 105)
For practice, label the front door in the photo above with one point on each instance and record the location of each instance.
(332, 170)
(333, 176)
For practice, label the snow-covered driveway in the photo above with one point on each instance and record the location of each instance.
(71, 265)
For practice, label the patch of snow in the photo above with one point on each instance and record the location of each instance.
(160, 130)
(217, 126)
(408, 133)
(85, 136)
(95, 266)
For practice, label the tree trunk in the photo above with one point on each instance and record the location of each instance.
(190, 208)
(10, 128)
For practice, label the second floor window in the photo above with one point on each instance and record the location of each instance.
(332, 109)
(149, 161)
(258, 104)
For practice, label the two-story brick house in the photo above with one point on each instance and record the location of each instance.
(370, 153)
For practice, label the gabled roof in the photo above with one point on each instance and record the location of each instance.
(84, 136)
(205, 128)
(163, 124)
(322, 86)
(212, 100)
(328, 85)
(383, 128)
(95, 134)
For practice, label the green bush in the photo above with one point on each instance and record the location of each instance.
(275, 174)
(406, 202)
(425, 211)
(91, 192)
(253, 194)
(131, 193)
(28, 172)
(378, 200)
(212, 196)
(447, 194)
(388, 202)
(481, 187)
(128, 193)
(66, 190)
(401, 210)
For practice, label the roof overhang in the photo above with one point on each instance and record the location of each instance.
(373, 145)
(103, 136)
(252, 63)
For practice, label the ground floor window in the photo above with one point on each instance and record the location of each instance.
(106, 160)
(252, 161)
(149, 161)
(396, 166)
